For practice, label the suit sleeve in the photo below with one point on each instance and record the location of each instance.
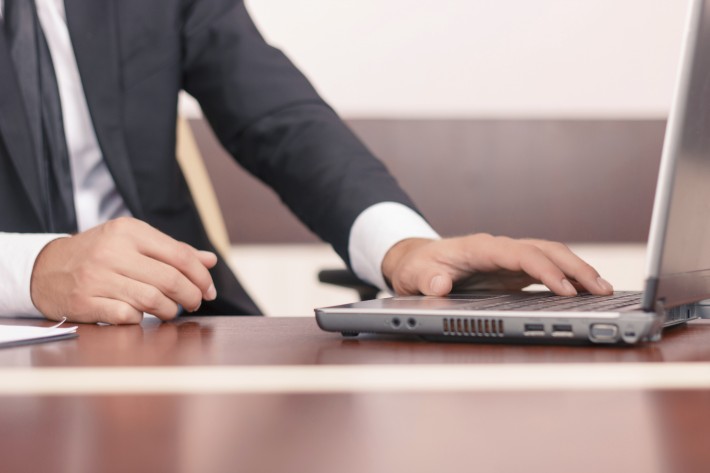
(270, 118)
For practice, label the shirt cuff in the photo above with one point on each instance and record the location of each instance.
(377, 229)
(17, 260)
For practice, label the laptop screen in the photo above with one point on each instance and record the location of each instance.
(680, 230)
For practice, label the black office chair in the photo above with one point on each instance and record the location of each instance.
(345, 278)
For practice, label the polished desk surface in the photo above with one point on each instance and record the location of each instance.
(370, 428)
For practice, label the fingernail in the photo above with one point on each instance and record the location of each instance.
(605, 285)
(208, 253)
(569, 288)
(197, 308)
(211, 293)
(438, 284)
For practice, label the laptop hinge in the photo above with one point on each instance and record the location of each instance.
(648, 302)
(660, 308)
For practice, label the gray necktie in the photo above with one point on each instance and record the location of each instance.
(35, 72)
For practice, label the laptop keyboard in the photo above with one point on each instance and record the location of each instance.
(546, 301)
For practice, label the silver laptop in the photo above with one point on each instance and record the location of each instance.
(678, 266)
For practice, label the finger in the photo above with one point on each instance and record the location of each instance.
(518, 256)
(144, 298)
(501, 280)
(113, 311)
(418, 280)
(177, 254)
(207, 258)
(573, 266)
(168, 280)
(140, 296)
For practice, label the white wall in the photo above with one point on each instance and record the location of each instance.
(483, 57)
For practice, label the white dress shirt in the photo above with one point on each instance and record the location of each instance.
(97, 200)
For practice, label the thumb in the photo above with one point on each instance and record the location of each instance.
(437, 284)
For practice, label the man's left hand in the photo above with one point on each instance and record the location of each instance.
(433, 267)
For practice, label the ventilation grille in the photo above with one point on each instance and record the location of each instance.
(682, 312)
(472, 327)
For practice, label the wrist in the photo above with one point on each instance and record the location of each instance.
(41, 263)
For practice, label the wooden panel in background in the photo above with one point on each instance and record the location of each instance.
(569, 180)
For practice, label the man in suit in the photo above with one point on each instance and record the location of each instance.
(96, 221)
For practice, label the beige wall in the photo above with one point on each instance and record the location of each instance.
(452, 58)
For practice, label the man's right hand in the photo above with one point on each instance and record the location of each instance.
(117, 271)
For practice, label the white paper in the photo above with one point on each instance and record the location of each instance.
(14, 334)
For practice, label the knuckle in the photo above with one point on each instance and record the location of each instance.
(183, 255)
(172, 280)
(121, 225)
(484, 238)
(532, 260)
(193, 299)
(503, 243)
(558, 246)
(150, 299)
(116, 225)
(171, 311)
(531, 250)
(125, 315)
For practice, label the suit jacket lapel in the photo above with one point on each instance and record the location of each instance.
(15, 131)
(93, 30)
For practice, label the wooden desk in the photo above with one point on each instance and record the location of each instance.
(358, 423)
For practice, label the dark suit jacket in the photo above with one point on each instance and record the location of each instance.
(134, 56)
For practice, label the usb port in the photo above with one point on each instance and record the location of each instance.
(534, 327)
(562, 330)
(534, 330)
